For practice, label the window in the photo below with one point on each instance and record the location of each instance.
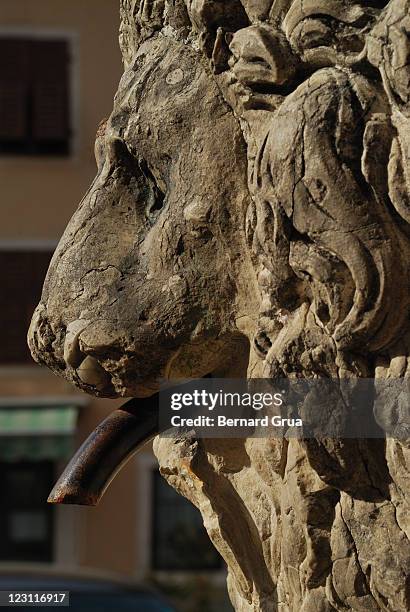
(25, 517)
(22, 277)
(180, 541)
(34, 94)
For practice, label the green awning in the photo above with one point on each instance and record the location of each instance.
(37, 433)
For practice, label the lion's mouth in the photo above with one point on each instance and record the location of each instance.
(108, 377)
(89, 372)
(104, 369)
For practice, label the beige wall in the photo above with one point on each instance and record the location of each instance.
(38, 196)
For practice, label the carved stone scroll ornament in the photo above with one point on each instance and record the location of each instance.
(253, 199)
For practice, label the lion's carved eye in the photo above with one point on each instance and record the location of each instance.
(154, 196)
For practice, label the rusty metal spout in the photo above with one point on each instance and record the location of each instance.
(104, 453)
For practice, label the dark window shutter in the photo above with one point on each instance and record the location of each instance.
(34, 96)
(14, 88)
(49, 69)
(22, 280)
(13, 118)
(24, 487)
(49, 112)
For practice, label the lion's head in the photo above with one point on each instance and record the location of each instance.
(246, 195)
(143, 285)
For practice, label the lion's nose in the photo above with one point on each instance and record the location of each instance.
(66, 353)
(40, 336)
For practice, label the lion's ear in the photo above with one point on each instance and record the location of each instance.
(262, 58)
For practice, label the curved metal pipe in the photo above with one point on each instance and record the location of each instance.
(106, 450)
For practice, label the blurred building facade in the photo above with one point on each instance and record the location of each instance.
(59, 68)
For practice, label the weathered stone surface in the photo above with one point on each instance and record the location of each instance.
(253, 200)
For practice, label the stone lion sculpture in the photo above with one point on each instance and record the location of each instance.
(250, 217)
